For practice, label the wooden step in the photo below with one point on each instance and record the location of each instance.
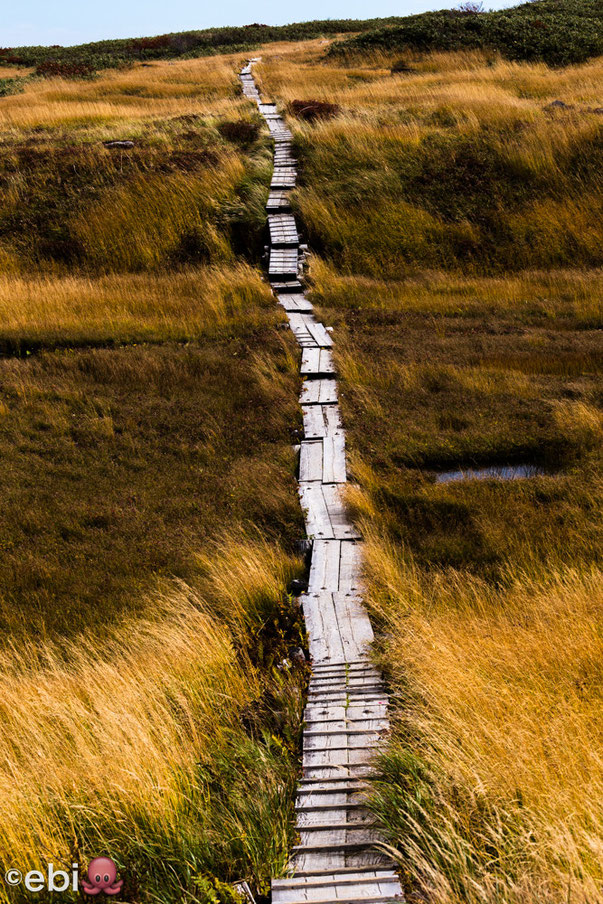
(283, 262)
(375, 895)
(348, 876)
(317, 362)
(283, 230)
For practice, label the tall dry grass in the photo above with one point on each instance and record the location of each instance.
(112, 741)
(459, 164)
(501, 798)
(186, 304)
(572, 298)
(140, 225)
(207, 86)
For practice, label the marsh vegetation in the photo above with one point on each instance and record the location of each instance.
(454, 211)
(147, 393)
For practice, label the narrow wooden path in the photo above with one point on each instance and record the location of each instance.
(338, 856)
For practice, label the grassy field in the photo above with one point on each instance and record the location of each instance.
(455, 219)
(150, 710)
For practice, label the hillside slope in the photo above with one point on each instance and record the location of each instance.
(557, 32)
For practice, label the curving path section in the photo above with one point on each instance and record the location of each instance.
(337, 859)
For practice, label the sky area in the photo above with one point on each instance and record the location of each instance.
(79, 21)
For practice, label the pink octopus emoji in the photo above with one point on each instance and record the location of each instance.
(102, 873)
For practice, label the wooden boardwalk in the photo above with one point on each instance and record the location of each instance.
(338, 858)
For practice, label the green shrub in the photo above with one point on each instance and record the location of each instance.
(557, 32)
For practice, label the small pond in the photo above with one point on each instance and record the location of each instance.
(492, 472)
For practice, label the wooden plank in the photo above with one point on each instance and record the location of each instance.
(353, 713)
(283, 177)
(351, 878)
(315, 740)
(311, 460)
(279, 128)
(283, 230)
(324, 568)
(323, 629)
(321, 420)
(295, 303)
(283, 263)
(333, 467)
(310, 361)
(322, 391)
(317, 642)
(319, 332)
(318, 522)
(313, 418)
(350, 567)
(341, 526)
(359, 894)
(299, 328)
(358, 632)
(286, 286)
(330, 625)
(320, 363)
(278, 200)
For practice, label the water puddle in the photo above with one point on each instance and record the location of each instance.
(493, 472)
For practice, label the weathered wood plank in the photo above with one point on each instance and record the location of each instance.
(321, 420)
(311, 460)
(286, 286)
(350, 567)
(319, 363)
(310, 361)
(342, 528)
(283, 230)
(316, 641)
(278, 200)
(333, 469)
(319, 332)
(324, 568)
(355, 622)
(295, 303)
(324, 636)
(283, 177)
(298, 326)
(283, 263)
(318, 522)
(322, 391)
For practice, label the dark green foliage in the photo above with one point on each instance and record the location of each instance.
(557, 32)
(109, 54)
(11, 86)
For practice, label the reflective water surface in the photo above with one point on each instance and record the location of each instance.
(493, 472)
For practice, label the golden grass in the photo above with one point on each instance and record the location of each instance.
(186, 304)
(463, 78)
(506, 701)
(518, 182)
(206, 86)
(147, 723)
(14, 71)
(555, 296)
(139, 225)
(102, 736)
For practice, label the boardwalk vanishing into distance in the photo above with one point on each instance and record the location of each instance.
(338, 857)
